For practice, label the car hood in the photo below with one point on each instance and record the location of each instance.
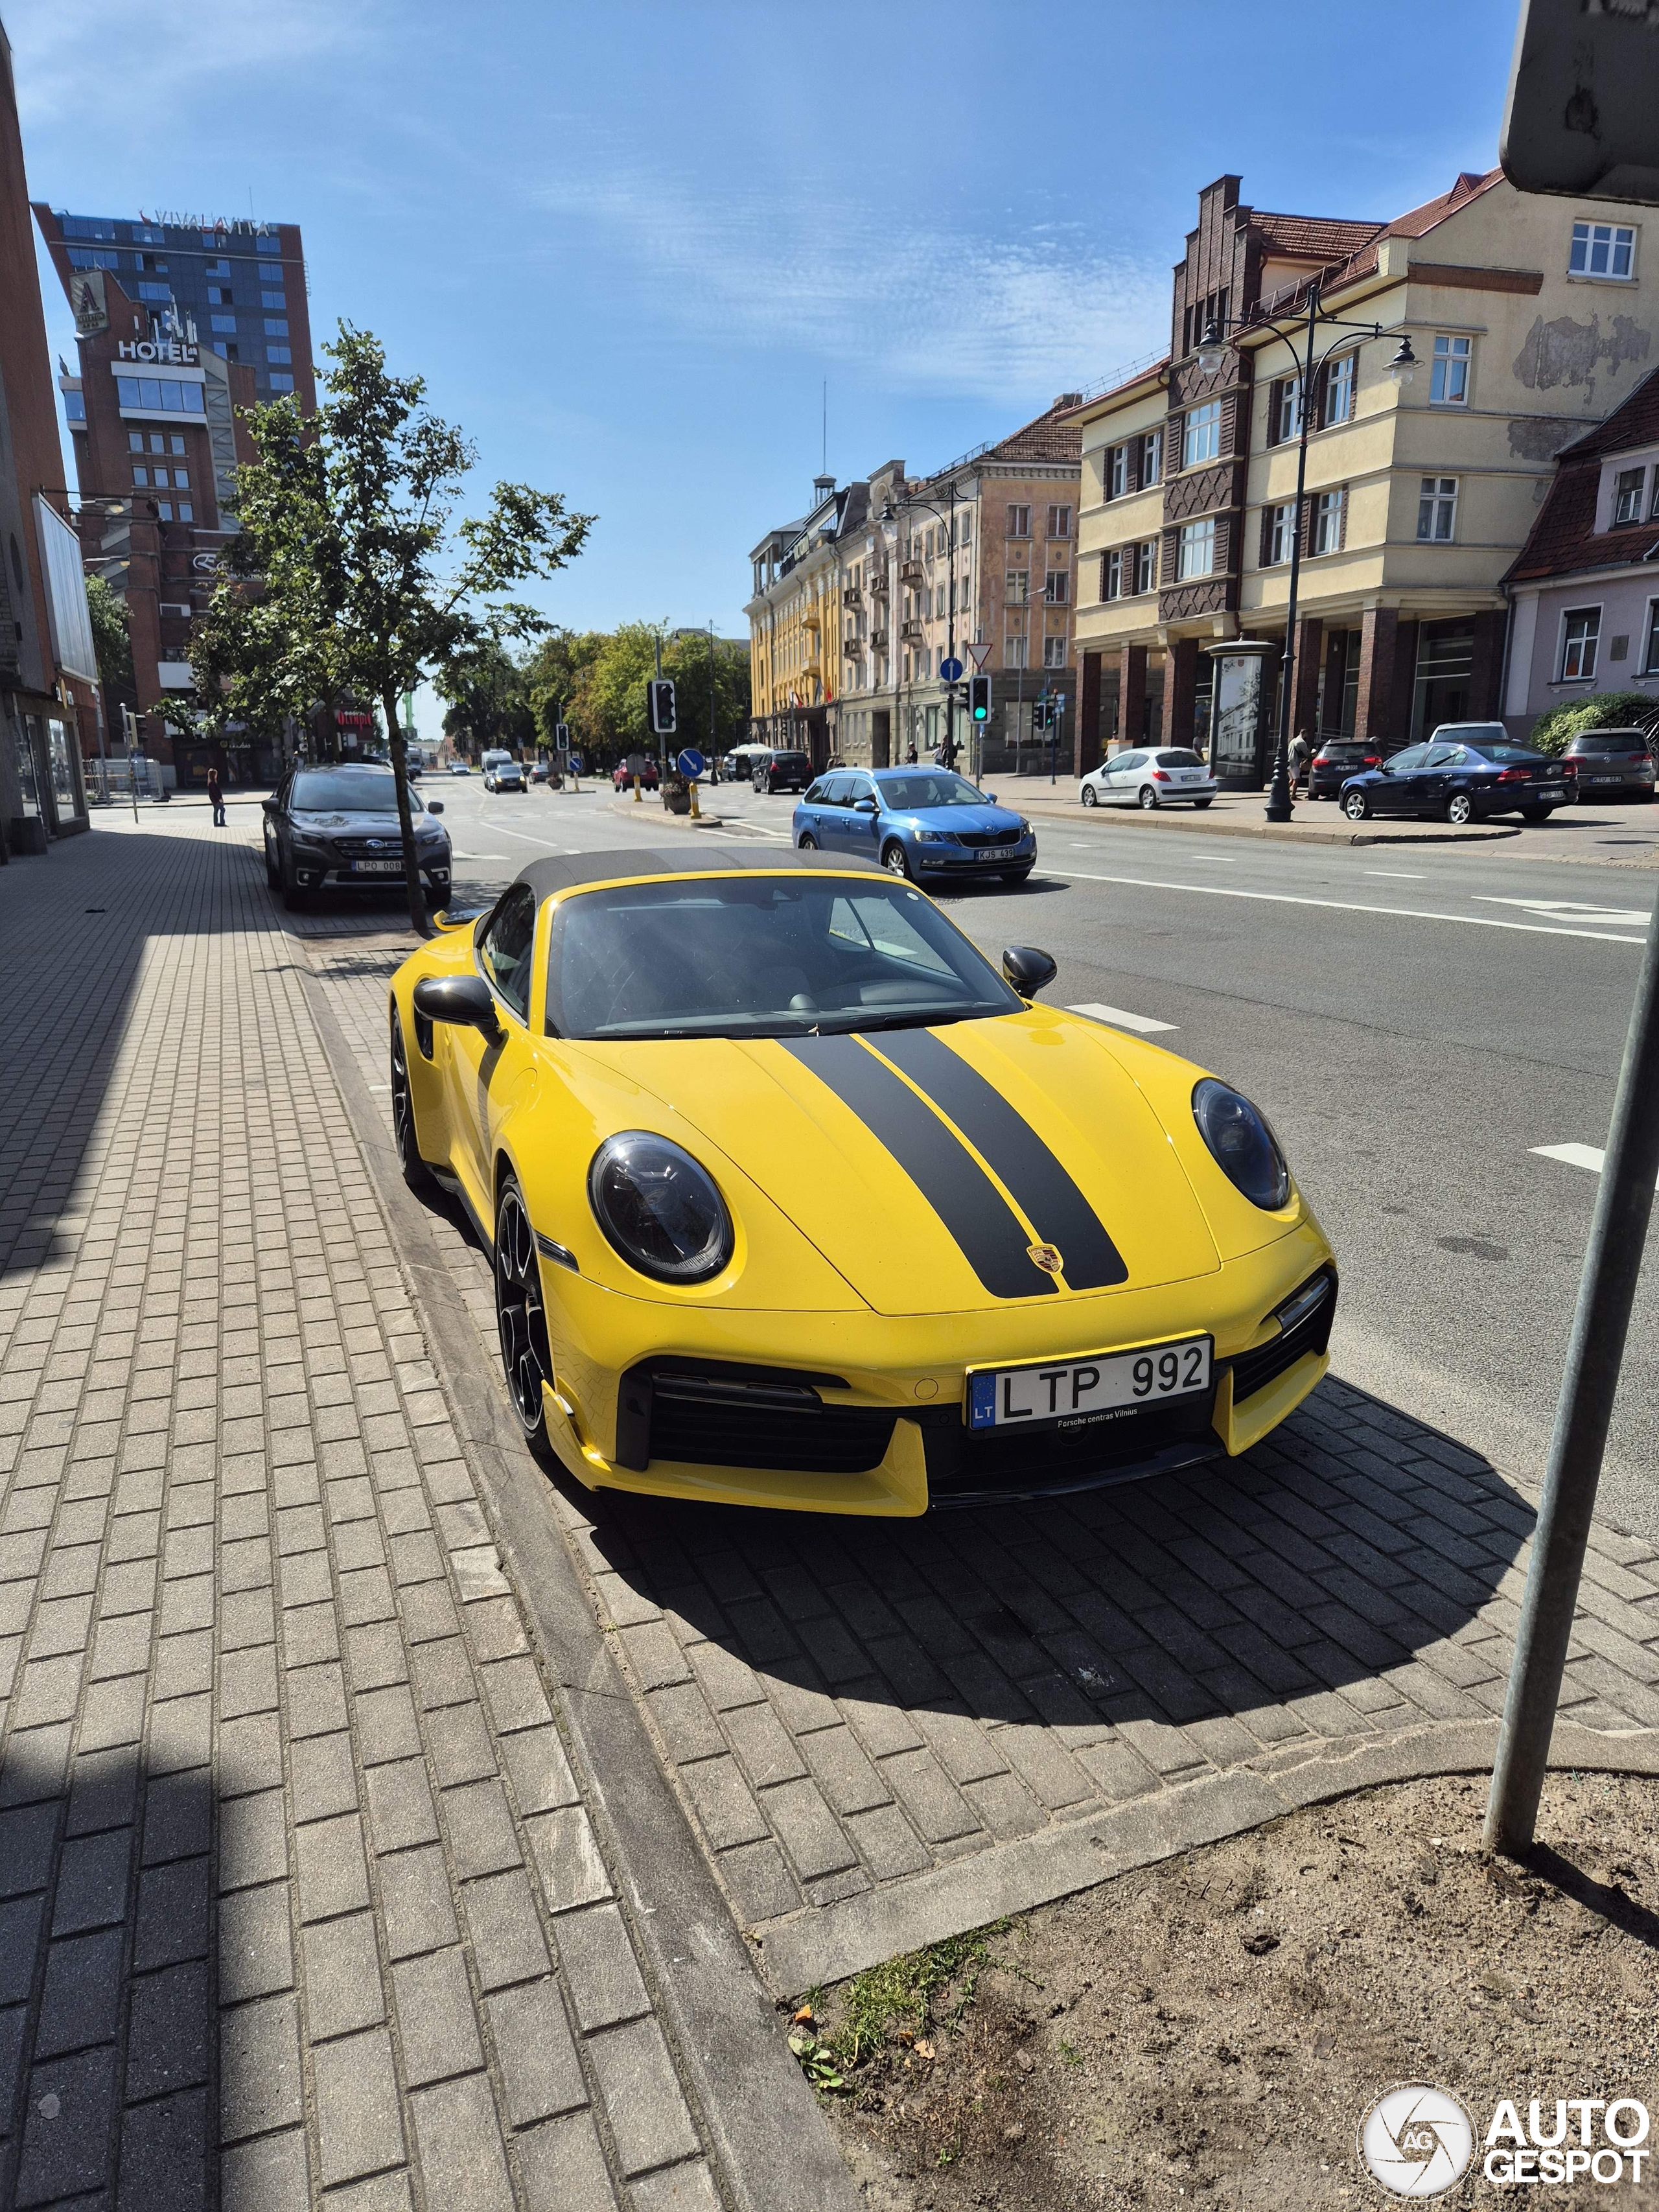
(974, 818)
(926, 1165)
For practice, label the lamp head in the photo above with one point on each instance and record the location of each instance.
(1403, 367)
(1212, 348)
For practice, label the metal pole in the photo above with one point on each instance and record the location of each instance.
(951, 630)
(1613, 1262)
(1279, 808)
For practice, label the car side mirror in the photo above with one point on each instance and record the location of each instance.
(1027, 968)
(435, 806)
(866, 805)
(991, 799)
(462, 1001)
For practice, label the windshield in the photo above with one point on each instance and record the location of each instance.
(760, 956)
(1615, 741)
(907, 794)
(348, 792)
(1179, 758)
(1504, 754)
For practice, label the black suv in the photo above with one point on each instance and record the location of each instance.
(1337, 759)
(338, 826)
(782, 772)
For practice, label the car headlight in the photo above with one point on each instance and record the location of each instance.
(1243, 1147)
(934, 836)
(1024, 826)
(660, 1209)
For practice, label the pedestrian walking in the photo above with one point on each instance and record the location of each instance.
(1301, 753)
(217, 797)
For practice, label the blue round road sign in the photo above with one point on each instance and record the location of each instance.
(690, 762)
(950, 671)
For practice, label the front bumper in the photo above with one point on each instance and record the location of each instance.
(965, 859)
(803, 1423)
(328, 871)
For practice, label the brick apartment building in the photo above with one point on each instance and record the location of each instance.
(178, 326)
(49, 699)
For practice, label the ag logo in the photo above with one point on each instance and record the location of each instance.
(1416, 2141)
(1045, 1256)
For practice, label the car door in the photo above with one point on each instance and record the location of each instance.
(831, 813)
(482, 1075)
(1434, 778)
(861, 823)
(1394, 793)
(1123, 775)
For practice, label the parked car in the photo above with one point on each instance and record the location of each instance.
(1610, 764)
(916, 822)
(1337, 759)
(1149, 777)
(337, 828)
(1460, 783)
(781, 771)
(539, 774)
(459, 768)
(622, 776)
(738, 765)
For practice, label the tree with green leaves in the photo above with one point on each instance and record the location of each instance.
(111, 641)
(362, 583)
(486, 695)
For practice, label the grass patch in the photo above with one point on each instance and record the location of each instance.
(898, 1999)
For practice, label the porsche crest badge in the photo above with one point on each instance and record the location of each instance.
(1046, 1256)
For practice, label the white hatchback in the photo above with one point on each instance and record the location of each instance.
(1149, 777)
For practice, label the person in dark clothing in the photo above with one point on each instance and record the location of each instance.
(216, 799)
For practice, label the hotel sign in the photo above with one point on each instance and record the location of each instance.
(173, 351)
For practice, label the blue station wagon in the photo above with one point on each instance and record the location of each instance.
(917, 823)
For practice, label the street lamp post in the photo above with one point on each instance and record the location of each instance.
(1212, 353)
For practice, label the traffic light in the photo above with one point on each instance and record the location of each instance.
(659, 700)
(1040, 711)
(561, 736)
(979, 698)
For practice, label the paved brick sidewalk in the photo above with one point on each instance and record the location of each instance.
(884, 1730)
(299, 1902)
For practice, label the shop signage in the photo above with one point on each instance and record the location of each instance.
(174, 351)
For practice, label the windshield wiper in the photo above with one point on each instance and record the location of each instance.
(912, 1017)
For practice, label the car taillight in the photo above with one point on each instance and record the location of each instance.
(1160, 775)
(1568, 768)
(1515, 775)
(1373, 760)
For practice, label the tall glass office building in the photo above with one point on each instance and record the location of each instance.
(235, 287)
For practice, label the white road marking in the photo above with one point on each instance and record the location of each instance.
(1143, 1024)
(1574, 1156)
(1347, 906)
(1399, 875)
(480, 856)
(1571, 909)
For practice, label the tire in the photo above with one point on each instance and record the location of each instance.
(1537, 813)
(807, 842)
(1090, 796)
(416, 1174)
(1146, 799)
(1460, 809)
(1200, 805)
(1017, 876)
(273, 871)
(521, 1314)
(896, 860)
(759, 783)
(1356, 806)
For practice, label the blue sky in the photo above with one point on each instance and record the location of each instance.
(628, 244)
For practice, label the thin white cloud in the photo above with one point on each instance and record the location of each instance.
(912, 304)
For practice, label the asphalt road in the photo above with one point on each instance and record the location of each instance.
(1417, 1021)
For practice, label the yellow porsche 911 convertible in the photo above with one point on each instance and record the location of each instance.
(795, 1202)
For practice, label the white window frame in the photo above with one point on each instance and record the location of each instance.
(1454, 358)
(1281, 533)
(1057, 588)
(1060, 522)
(1285, 404)
(1432, 501)
(1019, 521)
(1615, 238)
(1014, 650)
(1189, 539)
(1576, 661)
(1111, 574)
(1016, 586)
(1151, 458)
(1636, 492)
(1051, 657)
(1147, 558)
(1117, 471)
(1205, 422)
(1651, 641)
(1328, 510)
(1341, 376)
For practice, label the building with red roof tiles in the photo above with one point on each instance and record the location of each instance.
(1529, 318)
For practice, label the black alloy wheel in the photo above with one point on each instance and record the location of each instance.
(1356, 806)
(521, 1315)
(416, 1174)
(1460, 809)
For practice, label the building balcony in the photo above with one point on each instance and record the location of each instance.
(912, 633)
(879, 583)
(813, 622)
(911, 572)
(878, 641)
(853, 645)
(851, 596)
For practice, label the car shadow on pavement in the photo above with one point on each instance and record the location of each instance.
(1340, 1578)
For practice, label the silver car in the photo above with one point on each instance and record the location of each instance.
(1149, 776)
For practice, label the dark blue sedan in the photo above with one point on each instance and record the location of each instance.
(917, 822)
(1459, 782)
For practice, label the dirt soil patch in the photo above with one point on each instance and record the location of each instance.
(1208, 2032)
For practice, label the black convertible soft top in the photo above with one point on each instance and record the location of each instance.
(566, 872)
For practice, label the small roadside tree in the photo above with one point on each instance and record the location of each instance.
(111, 641)
(346, 523)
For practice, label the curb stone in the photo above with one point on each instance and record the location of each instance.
(757, 2111)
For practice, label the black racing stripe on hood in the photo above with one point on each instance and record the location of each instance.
(990, 1235)
(1041, 1185)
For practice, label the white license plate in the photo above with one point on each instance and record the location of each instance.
(1189, 775)
(377, 867)
(1551, 791)
(1072, 1392)
(999, 852)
